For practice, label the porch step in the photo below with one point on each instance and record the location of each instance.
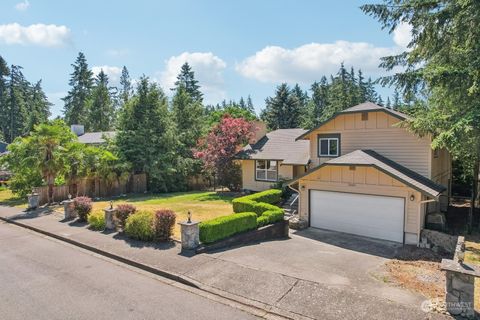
(291, 205)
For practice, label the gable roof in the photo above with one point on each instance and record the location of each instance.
(279, 145)
(387, 166)
(95, 137)
(362, 107)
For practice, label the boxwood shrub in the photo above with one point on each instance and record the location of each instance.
(141, 226)
(247, 203)
(223, 227)
(96, 220)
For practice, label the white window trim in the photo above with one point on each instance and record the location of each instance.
(266, 171)
(328, 147)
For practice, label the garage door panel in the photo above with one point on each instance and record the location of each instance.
(367, 215)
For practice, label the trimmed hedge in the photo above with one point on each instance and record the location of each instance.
(250, 202)
(223, 227)
(141, 226)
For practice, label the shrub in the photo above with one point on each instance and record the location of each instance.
(96, 220)
(83, 206)
(223, 227)
(262, 221)
(164, 223)
(123, 212)
(245, 203)
(140, 226)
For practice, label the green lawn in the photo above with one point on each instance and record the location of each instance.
(472, 255)
(7, 198)
(203, 205)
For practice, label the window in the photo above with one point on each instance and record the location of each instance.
(266, 170)
(329, 145)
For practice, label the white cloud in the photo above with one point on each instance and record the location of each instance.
(22, 6)
(117, 52)
(309, 62)
(208, 70)
(402, 35)
(46, 35)
(112, 72)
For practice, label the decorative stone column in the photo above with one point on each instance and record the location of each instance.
(110, 217)
(69, 208)
(190, 233)
(33, 200)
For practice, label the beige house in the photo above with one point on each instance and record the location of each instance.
(368, 175)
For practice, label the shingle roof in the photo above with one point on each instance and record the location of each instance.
(279, 145)
(362, 107)
(390, 167)
(95, 137)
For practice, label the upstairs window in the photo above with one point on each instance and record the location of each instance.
(328, 145)
(266, 170)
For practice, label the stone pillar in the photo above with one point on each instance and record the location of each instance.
(33, 201)
(69, 209)
(459, 287)
(190, 234)
(110, 218)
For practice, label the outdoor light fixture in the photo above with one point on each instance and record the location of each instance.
(412, 197)
(189, 215)
(302, 187)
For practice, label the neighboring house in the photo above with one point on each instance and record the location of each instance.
(273, 157)
(92, 138)
(370, 176)
(3, 147)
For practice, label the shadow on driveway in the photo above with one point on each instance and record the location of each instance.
(376, 247)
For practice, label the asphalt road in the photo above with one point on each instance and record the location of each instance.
(41, 278)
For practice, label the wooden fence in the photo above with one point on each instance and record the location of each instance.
(96, 188)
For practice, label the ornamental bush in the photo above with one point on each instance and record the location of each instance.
(164, 224)
(96, 220)
(247, 203)
(83, 207)
(123, 212)
(226, 226)
(140, 226)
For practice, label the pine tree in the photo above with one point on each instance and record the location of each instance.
(250, 106)
(388, 104)
(16, 104)
(186, 78)
(125, 86)
(81, 82)
(39, 107)
(397, 100)
(4, 73)
(100, 109)
(282, 111)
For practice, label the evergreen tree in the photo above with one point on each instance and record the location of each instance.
(250, 106)
(4, 73)
(100, 109)
(186, 78)
(125, 86)
(242, 103)
(388, 104)
(146, 138)
(397, 100)
(282, 111)
(317, 104)
(39, 107)
(81, 82)
(16, 104)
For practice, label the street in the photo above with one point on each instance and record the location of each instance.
(41, 278)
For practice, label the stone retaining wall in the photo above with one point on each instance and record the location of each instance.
(439, 239)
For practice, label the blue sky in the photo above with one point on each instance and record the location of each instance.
(236, 48)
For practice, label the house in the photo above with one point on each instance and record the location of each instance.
(273, 157)
(91, 138)
(3, 147)
(368, 175)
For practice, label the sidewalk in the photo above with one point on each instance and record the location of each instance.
(279, 294)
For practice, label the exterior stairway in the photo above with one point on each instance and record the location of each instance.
(291, 205)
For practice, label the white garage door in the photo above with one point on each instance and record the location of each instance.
(372, 216)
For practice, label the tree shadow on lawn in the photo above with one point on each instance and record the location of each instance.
(182, 196)
(157, 245)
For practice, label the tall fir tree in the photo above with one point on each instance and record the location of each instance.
(282, 111)
(16, 104)
(250, 106)
(125, 86)
(100, 108)
(81, 82)
(4, 73)
(38, 107)
(186, 78)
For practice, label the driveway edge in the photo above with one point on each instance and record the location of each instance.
(252, 306)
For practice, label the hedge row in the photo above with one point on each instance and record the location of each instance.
(252, 201)
(223, 227)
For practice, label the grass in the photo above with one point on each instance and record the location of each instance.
(203, 205)
(7, 198)
(472, 255)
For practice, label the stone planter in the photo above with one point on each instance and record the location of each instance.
(33, 201)
(69, 209)
(190, 233)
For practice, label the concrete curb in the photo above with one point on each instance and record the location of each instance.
(252, 306)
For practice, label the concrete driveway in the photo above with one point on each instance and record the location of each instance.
(326, 268)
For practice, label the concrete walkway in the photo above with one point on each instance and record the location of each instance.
(279, 277)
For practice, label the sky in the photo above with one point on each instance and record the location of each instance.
(236, 48)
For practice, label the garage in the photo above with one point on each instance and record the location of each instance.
(375, 216)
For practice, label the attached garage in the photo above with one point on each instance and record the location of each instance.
(366, 215)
